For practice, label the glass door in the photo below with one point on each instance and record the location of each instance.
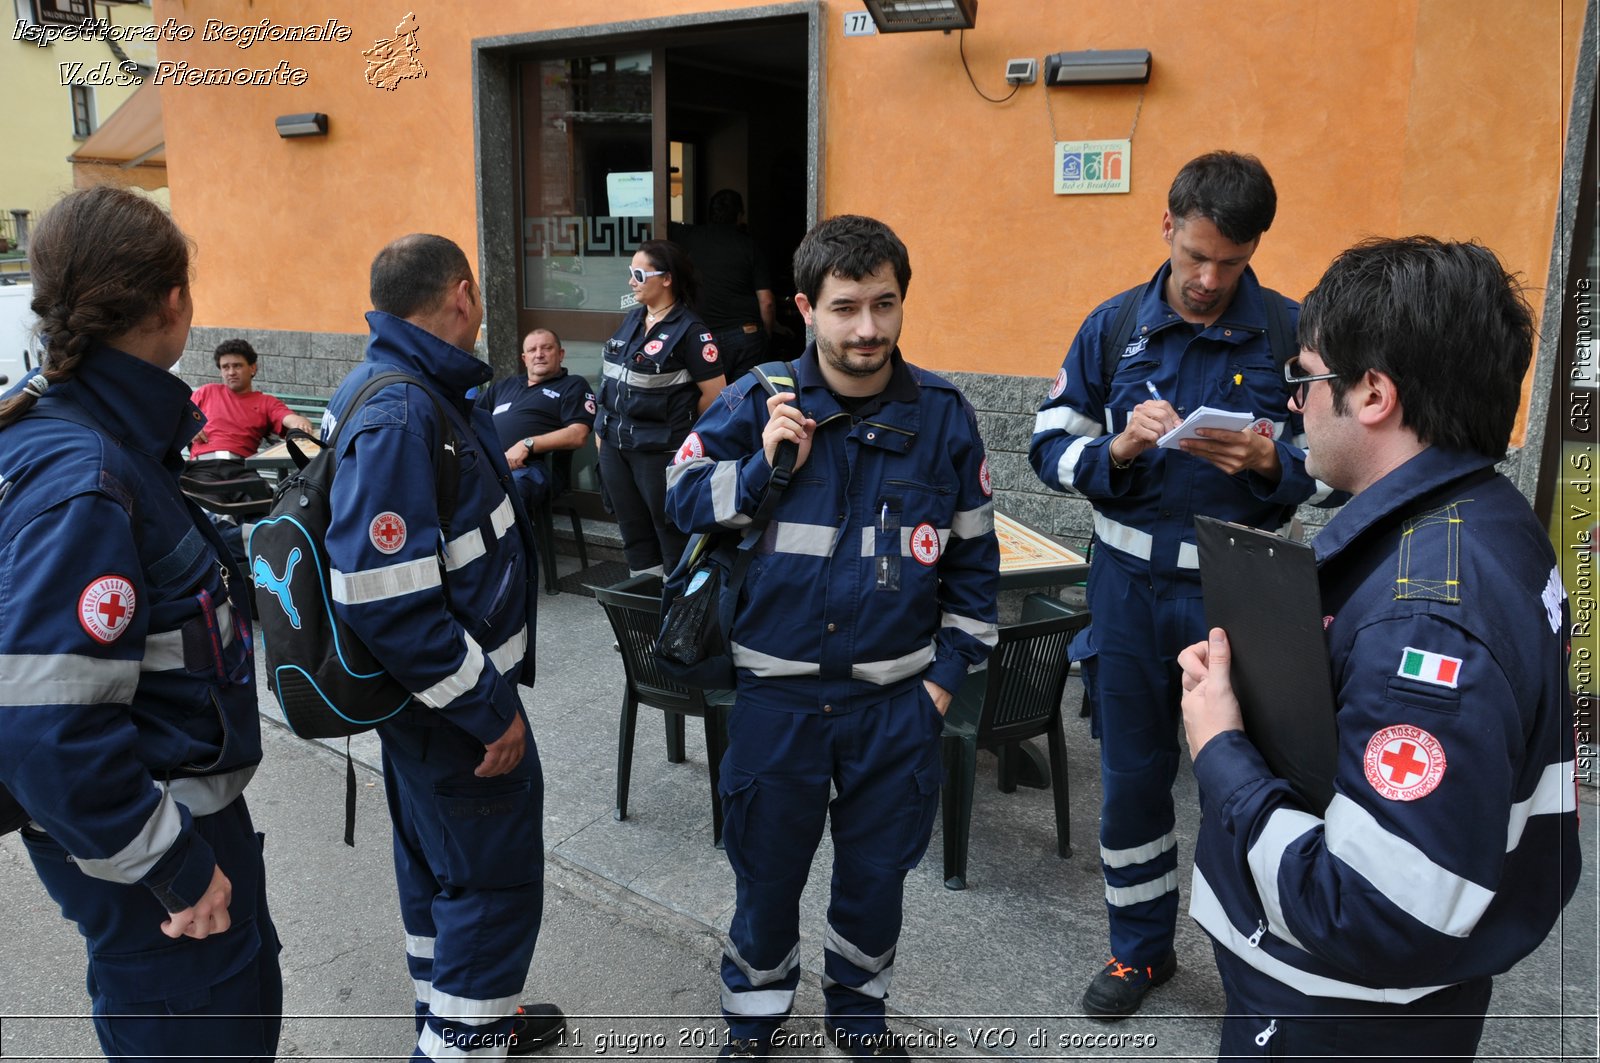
(594, 186)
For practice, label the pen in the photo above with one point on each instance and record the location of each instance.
(1154, 394)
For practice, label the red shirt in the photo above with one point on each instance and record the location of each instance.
(236, 423)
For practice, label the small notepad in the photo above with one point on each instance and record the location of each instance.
(1206, 417)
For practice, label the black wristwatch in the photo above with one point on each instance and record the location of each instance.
(529, 444)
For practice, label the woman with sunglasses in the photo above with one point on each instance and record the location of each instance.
(662, 370)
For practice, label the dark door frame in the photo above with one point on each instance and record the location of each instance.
(493, 109)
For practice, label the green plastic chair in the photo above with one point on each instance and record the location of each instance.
(634, 609)
(1016, 697)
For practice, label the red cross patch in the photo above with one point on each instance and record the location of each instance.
(983, 479)
(387, 532)
(925, 543)
(653, 347)
(588, 404)
(1404, 763)
(692, 448)
(709, 352)
(1263, 427)
(1060, 385)
(105, 608)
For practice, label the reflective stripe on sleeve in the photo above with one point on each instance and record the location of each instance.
(28, 679)
(390, 581)
(1266, 856)
(462, 680)
(136, 859)
(1554, 795)
(1407, 878)
(510, 652)
(982, 630)
(1065, 419)
(1207, 910)
(725, 496)
(1067, 467)
(973, 523)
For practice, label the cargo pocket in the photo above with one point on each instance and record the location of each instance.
(915, 822)
(771, 825)
(492, 837)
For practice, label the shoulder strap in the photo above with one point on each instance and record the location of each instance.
(776, 377)
(1283, 344)
(446, 457)
(1122, 328)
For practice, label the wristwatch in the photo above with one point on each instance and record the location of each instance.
(529, 444)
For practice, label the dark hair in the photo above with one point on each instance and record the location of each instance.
(725, 207)
(849, 246)
(672, 259)
(414, 274)
(1234, 192)
(542, 328)
(234, 346)
(103, 261)
(1444, 321)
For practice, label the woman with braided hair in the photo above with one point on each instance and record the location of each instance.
(125, 669)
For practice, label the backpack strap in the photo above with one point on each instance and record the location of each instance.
(446, 454)
(775, 377)
(1121, 334)
(1279, 338)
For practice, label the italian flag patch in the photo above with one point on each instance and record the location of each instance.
(1433, 668)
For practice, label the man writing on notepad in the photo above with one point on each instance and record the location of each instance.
(1201, 332)
(1451, 844)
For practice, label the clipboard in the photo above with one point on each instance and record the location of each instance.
(1262, 590)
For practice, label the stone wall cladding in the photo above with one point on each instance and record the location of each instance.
(292, 363)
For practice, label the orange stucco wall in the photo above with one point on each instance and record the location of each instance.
(1374, 116)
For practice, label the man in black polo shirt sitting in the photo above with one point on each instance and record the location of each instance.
(550, 412)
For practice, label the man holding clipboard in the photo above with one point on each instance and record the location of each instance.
(1449, 846)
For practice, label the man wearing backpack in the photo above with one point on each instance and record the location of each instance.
(1202, 332)
(450, 616)
(872, 593)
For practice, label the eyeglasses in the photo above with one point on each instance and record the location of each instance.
(1300, 383)
(641, 275)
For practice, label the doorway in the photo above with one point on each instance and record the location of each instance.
(616, 137)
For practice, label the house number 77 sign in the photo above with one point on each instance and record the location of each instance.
(858, 24)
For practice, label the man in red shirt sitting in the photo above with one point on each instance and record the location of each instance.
(237, 418)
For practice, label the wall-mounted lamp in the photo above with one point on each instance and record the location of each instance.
(1130, 66)
(901, 16)
(314, 124)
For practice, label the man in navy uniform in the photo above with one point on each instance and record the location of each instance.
(1373, 928)
(1198, 334)
(871, 595)
(453, 622)
(542, 418)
